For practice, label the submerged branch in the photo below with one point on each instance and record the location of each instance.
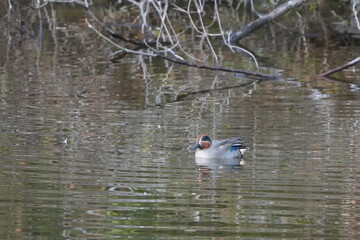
(349, 64)
(282, 9)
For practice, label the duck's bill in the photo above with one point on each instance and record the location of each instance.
(195, 146)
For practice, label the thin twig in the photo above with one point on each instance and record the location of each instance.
(117, 45)
(215, 68)
(199, 11)
(161, 54)
(175, 35)
(226, 40)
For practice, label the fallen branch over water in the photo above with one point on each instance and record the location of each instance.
(349, 64)
(178, 59)
(150, 47)
(282, 9)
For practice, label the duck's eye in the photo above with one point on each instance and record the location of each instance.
(206, 139)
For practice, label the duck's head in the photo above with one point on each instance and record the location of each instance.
(203, 142)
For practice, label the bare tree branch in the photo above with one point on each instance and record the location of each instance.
(349, 64)
(117, 45)
(236, 36)
(226, 37)
(179, 60)
(156, 48)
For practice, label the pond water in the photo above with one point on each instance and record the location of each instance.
(93, 149)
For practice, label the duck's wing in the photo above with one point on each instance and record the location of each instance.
(235, 143)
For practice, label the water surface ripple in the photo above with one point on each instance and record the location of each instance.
(93, 149)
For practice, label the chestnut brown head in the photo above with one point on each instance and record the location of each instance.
(203, 142)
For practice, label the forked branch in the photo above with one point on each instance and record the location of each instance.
(183, 62)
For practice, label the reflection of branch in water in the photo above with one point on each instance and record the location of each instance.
(217, 68)
(158, 91)
(184, 96)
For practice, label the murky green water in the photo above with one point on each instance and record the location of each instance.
(91, 149)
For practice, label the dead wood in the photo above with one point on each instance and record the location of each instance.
(349, 64)
(153, 48)
(175, 59)
(254, 25)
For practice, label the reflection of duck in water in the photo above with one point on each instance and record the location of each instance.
(223, 164)
(229, 148)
